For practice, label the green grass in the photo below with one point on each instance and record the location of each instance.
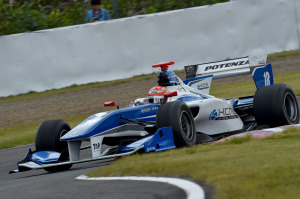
(245, 168)
(284, 54)
(23, 134)
(18, 135)
(241, 89)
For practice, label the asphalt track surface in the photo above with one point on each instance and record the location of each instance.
(41, 184)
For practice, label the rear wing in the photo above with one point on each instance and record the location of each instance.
(256, 65)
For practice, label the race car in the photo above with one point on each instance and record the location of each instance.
(175, 114)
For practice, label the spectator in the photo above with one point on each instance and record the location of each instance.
(97, 13)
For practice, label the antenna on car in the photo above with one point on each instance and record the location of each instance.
(163, 65)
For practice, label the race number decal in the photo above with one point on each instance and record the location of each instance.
(267, 78)
(96, 144)
(263, 76)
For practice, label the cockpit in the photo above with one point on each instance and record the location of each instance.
(164, 79)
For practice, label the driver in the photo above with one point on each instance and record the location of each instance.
(157, 91)
(155, 95)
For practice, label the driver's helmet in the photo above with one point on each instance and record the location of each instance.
(157, 91)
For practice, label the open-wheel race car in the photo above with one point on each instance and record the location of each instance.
(175, 114)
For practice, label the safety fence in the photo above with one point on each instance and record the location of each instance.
(126, 47)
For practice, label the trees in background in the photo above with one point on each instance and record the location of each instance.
(32, 15)
(136, 7)
(17, 16)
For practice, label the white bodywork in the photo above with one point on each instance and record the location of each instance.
(226, 119)
(215, 115)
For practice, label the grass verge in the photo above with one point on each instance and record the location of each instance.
(248, 88)
(250, 168)
(284, 54)
(25, 133)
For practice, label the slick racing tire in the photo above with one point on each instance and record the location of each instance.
(48, 139)
(276, 105)
(179, 116)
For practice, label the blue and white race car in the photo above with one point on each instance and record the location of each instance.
(175, 114)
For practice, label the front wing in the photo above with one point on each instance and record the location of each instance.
(160, 141)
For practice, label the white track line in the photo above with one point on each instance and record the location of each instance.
(192, 190)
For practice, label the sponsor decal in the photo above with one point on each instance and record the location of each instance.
(151, 148)
(202, 86)
(154, 108)
(145, 110)
(190, 69)
(223, 114)
(213, 115)
(226, 65)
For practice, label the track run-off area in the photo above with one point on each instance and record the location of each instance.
(41, 184)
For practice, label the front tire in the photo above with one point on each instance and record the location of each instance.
(276, 105)
(179, 116)
(48, 139)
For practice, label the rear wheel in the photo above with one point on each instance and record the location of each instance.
(276, 105)
(48, 139)
(179, 116)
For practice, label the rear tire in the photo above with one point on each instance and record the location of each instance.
(276, 105)
(179, 116)
(48, 139)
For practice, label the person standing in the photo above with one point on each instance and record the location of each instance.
(97, 13)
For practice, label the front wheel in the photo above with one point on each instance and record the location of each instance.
(48, 139)
(179, 116)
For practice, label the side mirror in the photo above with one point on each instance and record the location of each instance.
(170, 94)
